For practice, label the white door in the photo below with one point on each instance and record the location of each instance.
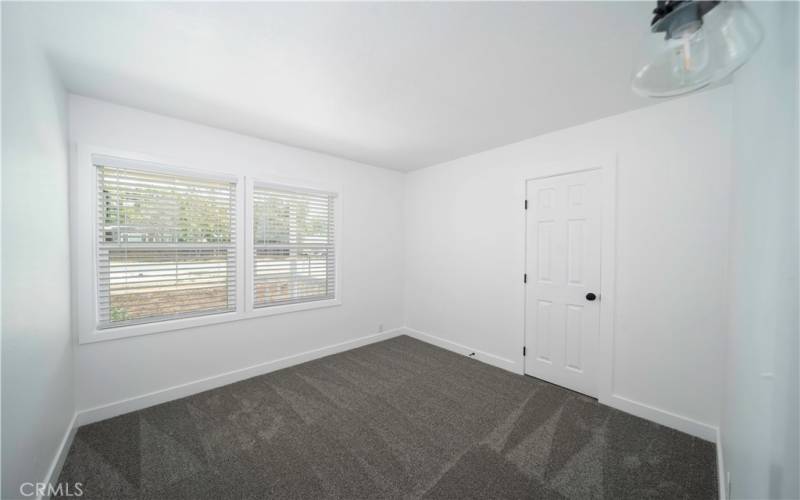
(562, 309)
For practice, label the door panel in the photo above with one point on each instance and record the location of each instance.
(573, 337)
(544, 321)
(563, 258)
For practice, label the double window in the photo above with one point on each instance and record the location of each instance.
(168, 246)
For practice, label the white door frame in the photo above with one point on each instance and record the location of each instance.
(607, 164)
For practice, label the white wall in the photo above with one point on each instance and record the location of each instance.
(37, 399)
(465, 250)
(371, 272)
(760, 414)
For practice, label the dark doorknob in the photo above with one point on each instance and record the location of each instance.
(590, 296)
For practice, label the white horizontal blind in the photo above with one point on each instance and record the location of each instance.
(166, 246)
(293, 256)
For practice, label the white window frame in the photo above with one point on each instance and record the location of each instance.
(84, 220)
(249, 239)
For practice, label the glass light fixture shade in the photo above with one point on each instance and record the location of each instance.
(685, 51)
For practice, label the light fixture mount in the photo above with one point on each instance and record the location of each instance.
(675, 17)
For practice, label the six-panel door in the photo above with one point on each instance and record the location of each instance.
(563, 266)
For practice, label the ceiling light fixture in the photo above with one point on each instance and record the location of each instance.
(691, 44)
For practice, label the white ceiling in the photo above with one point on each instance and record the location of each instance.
(397, 85)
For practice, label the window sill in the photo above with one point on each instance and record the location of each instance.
(122, 332)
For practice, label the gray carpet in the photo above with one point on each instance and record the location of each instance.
(399, 418)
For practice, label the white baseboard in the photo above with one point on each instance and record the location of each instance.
(723, 481)
(61, 453)
(500, 362)
(663, 417)
(128, 405)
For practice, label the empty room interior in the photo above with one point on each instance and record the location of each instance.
(368, 250)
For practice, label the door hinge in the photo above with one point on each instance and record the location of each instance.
(525, 278)
(524, 351)
(526, 204)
